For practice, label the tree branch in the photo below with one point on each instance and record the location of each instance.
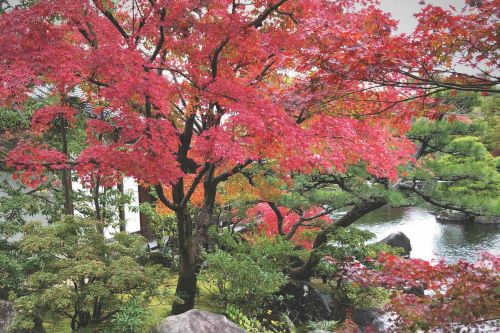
(225, 175)
(163, 198)
(194, 184)
(430, 200)
(162, 36)
(279, 217)
(111, 18)
(257, 22)
(215, 59)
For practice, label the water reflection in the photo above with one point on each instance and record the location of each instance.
(430, 239)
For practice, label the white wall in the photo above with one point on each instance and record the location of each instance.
(131, 210)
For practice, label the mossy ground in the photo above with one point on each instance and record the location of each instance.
(157, 310)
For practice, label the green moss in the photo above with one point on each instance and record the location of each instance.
(158, 309)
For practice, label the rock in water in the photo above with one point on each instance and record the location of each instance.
(197, 321)
(491, 220)
(398, 239)
(453, 216)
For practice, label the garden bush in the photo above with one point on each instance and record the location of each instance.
(82, 275)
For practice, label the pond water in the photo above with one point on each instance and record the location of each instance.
(431, 239)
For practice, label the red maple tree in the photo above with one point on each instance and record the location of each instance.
(208, 87)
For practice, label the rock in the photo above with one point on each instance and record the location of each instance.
(398, 239)
(453, 216)
(493, 220)
(368, 318)
(197, 321)
(488, 326)
(303, 303)
(418, 290)
(6, 315)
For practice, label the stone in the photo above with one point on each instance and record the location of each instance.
(492, 220)
(303, 302)
(369, 317)
(6, 315)
(418, 290)
(197, 321)
(398, 239)
(453, 216)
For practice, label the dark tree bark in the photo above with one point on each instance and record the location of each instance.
(66, 174)
(186, 284)
(38, 325)
(145, 196)
(121, 209)
(205, 217)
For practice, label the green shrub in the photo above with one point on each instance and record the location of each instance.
(249, 324)
(82, 275)
(240, 279)
(276, 252)
(345, 246)
(129, 318)
(11, 273)
(324, 325)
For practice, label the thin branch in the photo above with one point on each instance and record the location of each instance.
(194, 184)
(225, 175)
(303, 219)
(161, 40)
(279, 217)
(111, 18)
(215, 59)
(430, 200)
(163, 198)
(257, 22)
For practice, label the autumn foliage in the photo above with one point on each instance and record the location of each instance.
(182, 94)
(289, 81)
(434, 295)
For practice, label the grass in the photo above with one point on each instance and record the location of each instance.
(157, 310)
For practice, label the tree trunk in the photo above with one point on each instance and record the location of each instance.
(145, 197)
(205, 218)
(186, 284)
(121, 209)
(305, 271)
(66, 174)
(38, 325)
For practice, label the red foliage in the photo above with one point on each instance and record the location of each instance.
(455, 294)
(44, 118)
(310, 84)
(267, 222)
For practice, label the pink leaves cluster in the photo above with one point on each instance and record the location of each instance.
(32, 161)
(267, 222)
(44, 118)
(462, 293)
(310, 84)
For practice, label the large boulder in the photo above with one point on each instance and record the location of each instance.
(368, 319)
(6, 315)
(398, 239)
(303, 303)
(197, 321)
